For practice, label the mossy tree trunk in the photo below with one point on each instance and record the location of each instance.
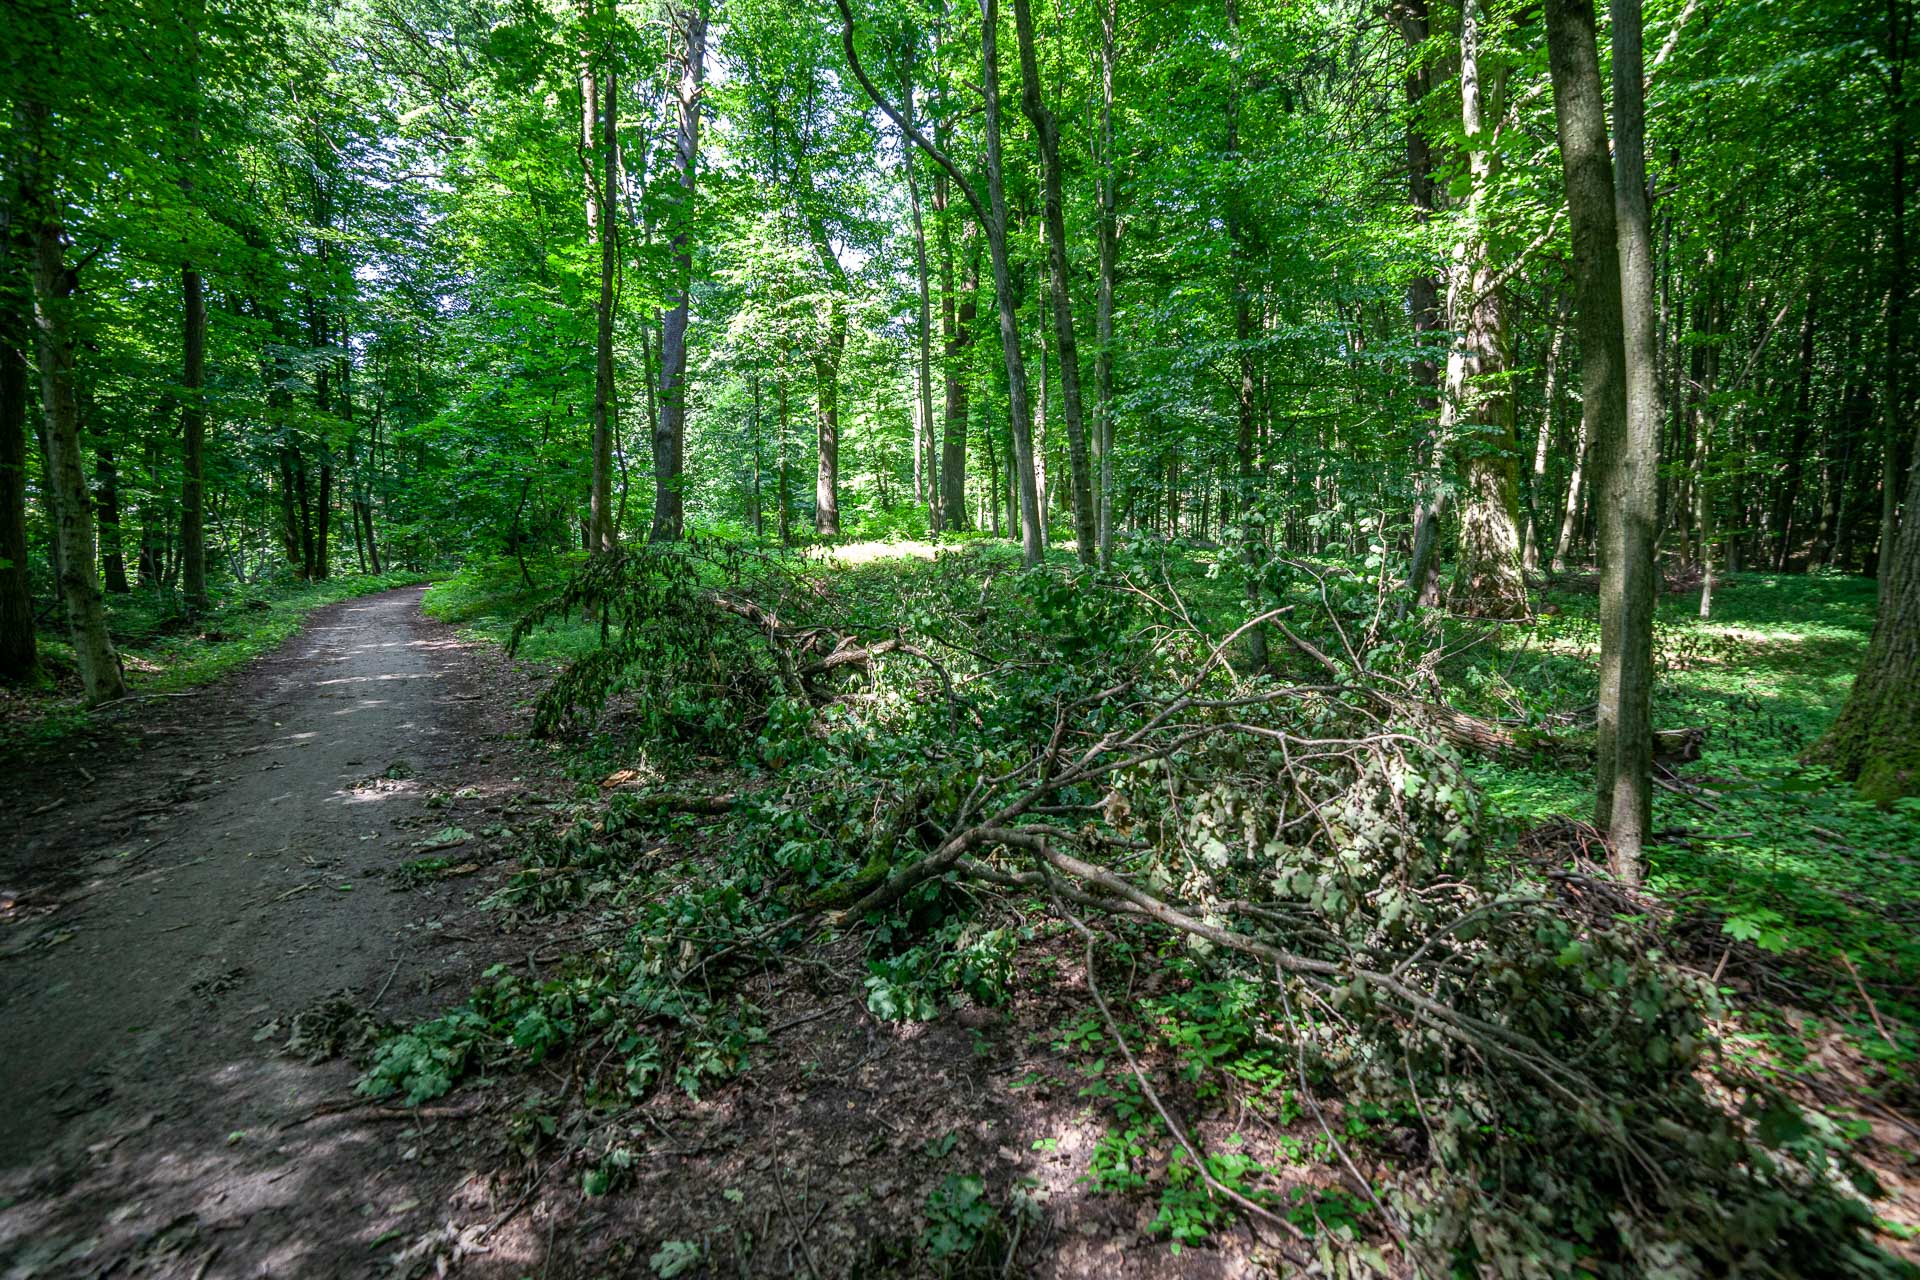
(1876, 741)
(1478, 406)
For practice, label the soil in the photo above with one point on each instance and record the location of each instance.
(175, 897)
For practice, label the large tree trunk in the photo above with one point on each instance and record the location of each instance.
(1478, 405)
(19, 649)
(669, 441)
(1876, 741)
(602, 119)
(1047, 131)
(53, 287)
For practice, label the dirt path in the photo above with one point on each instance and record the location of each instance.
(167, 908)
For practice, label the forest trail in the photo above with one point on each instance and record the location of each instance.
(165, 924)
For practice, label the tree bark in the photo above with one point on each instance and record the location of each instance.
(1580, 119)
(1894, 407)
(1423, 307)
(1478, 404)
(669, 440)
(193, 436)
(19, 647)
(193, 355)
(1047, 131)
(956, 329)
(602, 117)
(1800, 428)
(113, 557)
(1543, 442)
(922, 448)
(53, 289)
(1107, 231)
(1631, 514)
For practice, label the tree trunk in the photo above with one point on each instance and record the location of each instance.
(193, 355)
(669, 441)
(1107, 230)
(826, 374)
(193, 435)
(53, 287)
(1899, 42)
(19, 648)
(113, 558)
(922, 449)
(1543, 443)
(1019, 409)
(956, 329)
(1630, 515)
(1800, 428)
(1423, 306)
(1580, 118)
(601, 534)
(1478, 405)
(784, 519)
(1047, 131)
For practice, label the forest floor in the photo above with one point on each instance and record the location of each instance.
(182, 901)
(210, 919)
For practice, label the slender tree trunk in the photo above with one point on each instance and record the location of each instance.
(1800, 428)
(956, 328)
(1894, 407)
(1020, 410)
(1580, 117)
(113, 559)
(1107, 231)
(1047, 131)
(669, 441)
(193, 355)
(784, 518)
(1543, 442)
(53, 288)
(753, 442)
(193, 434)
(1423, 306)
(932, 492)
(323, 518)
(1478, 405)
(601, 534)
(1628, 574)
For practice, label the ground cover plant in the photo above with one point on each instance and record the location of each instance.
(1398, 955)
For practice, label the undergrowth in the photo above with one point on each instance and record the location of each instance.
(950, 764)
